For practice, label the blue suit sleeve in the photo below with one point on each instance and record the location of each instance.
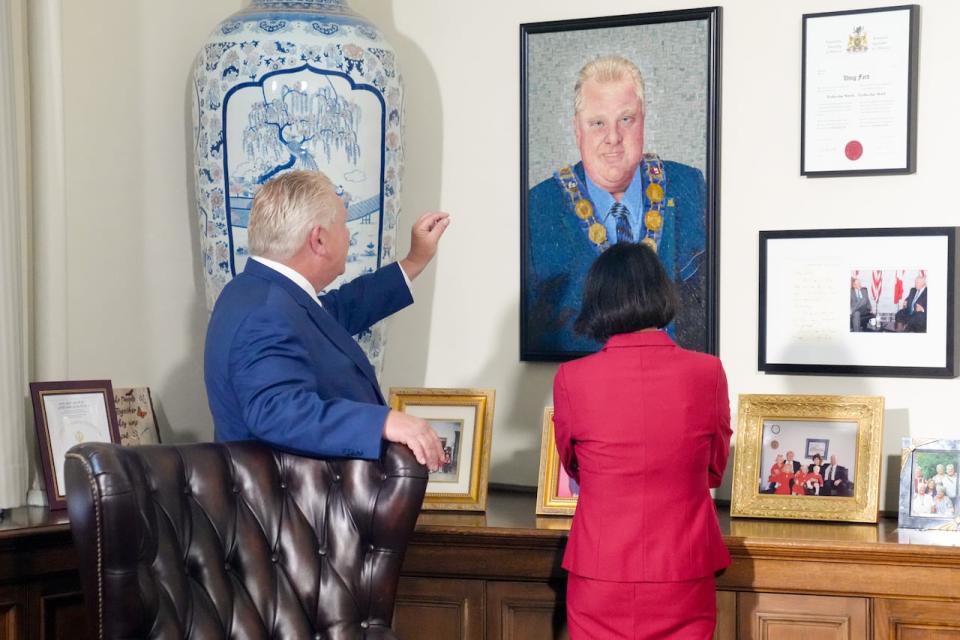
(368, 299)
(278, 393)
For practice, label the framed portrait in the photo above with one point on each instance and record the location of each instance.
(878, 302)
(67, 414)
(929, 490)
(774, 477)
(557, 492)
(859, 92)
(136, 419)
(619, 122)
(818, 447)
(463, 420)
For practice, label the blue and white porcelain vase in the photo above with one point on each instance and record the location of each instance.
(285, 85)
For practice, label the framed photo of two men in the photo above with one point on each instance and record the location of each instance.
(877, 302)
(619, 143)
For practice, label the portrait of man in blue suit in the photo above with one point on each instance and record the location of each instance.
(280, 363)
(618, 191)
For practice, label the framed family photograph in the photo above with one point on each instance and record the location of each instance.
(930, 484)
(619, 122)
(859, 92)
(557, 492)
(463, 420)
(808, 457)
(876, 302)
(67, 414)
(136, 419)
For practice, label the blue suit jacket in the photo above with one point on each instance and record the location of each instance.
(278, 368)
(559, 254)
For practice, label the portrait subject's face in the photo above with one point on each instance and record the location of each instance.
(609, 131)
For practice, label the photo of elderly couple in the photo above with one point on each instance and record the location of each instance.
(808, 458)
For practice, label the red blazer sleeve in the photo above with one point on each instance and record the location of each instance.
(721, 441)
(561, 425)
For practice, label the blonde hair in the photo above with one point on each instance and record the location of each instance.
(284, 211)
(607, 69)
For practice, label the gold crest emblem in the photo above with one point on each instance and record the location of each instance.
(653, 220)
(654, 192)
(650, 242)
(597, 233)
(857, 41)
(583, 209)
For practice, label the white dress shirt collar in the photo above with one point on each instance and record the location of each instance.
(291, 274)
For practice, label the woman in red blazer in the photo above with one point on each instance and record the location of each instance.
(644, 427)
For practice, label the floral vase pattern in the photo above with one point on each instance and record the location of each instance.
(285, 85)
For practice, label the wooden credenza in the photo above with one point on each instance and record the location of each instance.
(497, 576)
(40, 594)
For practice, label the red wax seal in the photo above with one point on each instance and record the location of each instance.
(853, 150)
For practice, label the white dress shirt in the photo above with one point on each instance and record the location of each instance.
(302, 282)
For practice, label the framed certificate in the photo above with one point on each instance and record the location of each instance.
(859, 302)
(67, 414)
(859, 92)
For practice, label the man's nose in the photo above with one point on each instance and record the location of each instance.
(614, 135)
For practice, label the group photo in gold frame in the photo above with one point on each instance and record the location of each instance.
(808, 457)
(557, 492)
(463, 420)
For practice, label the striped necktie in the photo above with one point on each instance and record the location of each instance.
(624, 231)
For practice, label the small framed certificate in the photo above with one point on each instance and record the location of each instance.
(67, 414)
(859, 92)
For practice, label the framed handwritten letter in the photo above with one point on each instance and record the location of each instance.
(859, 94)
(859, 302)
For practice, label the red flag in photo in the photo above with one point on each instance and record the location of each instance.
(898, 287)
(876, 286)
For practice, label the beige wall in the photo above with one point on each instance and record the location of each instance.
(134, 299)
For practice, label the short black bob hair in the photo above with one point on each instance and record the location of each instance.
(627, 289)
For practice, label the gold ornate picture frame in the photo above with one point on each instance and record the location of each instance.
(463, 418)
(773, 478)
(556, 491)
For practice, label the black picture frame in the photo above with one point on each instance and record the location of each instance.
(697, 323)
(847, 242)
(910, 122)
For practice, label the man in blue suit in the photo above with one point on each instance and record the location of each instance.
(616, 193)
(280, 364)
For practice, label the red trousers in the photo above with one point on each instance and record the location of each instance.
(601, 610)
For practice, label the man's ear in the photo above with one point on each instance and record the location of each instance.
(576, 128)
(318, 240)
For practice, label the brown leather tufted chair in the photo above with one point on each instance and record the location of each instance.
(240, 540)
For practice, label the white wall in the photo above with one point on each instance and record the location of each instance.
(135, 304)
(135, 307)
